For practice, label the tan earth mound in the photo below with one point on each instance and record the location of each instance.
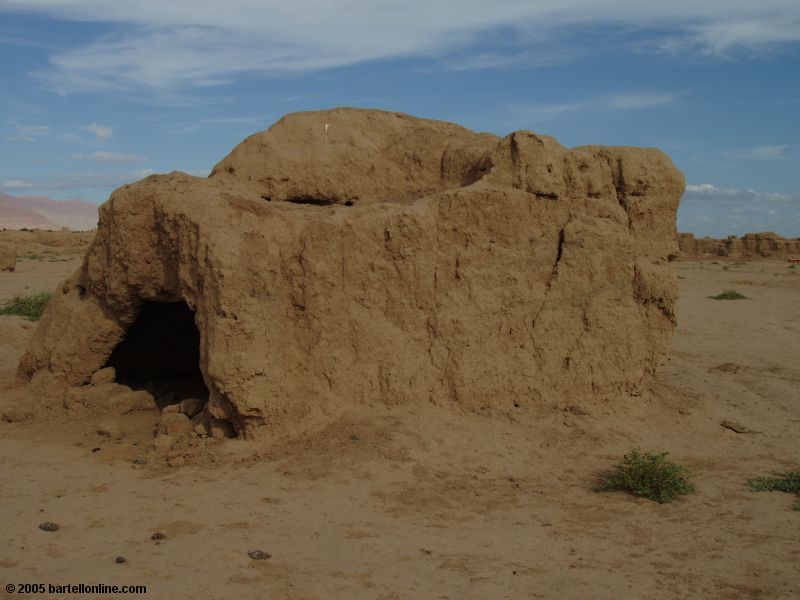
(350, 257)
(8, 257)
(751, 245)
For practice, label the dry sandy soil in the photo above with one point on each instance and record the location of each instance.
(423, 502)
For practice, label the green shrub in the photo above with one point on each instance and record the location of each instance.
(783, 482)
(648, 475)
(31, 306)
(729, 295)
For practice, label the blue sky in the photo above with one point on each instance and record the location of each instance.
(96, 94)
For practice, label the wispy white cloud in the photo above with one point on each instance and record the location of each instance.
(509, 59)
(75, 181)
(160, 45)
(101, 132)
(709, 189)
(201, 123)
(23, 41)
(625, 101)
(707, 209)
(767, 152)
(37, 130)
(103, 156)
(16, 137)
(27, 133)
(753, 34)
(16, 184)
(639, 100)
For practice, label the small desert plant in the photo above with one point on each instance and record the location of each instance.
(729, 295)
(648, 475)
(783, 482)
(30, 306)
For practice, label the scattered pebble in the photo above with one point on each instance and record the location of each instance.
(158, 536)
(164, 442)
(220, 429)
(736, 427)
(191, 406)
(174, 423)
(120, 560)
(727, 367)
(107, 375)
(110, 429)
(258, 554)
(48, 526)
(176, 461)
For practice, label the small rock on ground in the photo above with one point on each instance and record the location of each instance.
(110, 429)
(174, 424)
(191, 406)
(220, 429)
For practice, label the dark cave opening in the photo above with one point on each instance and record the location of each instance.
(312, 200)
(161, 354)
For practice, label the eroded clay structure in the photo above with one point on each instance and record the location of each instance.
(359, 257)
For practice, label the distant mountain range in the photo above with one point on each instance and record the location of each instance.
(40, 212)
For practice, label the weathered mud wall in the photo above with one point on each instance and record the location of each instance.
(751, 245)
(352, 257)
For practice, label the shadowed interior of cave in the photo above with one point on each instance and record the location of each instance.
(161, 353)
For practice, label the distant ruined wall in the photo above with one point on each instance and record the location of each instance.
(350, 257)
(751, 245)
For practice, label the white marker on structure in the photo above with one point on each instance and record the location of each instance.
(326, 133)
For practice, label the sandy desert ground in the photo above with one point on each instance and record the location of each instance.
(423, 502)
